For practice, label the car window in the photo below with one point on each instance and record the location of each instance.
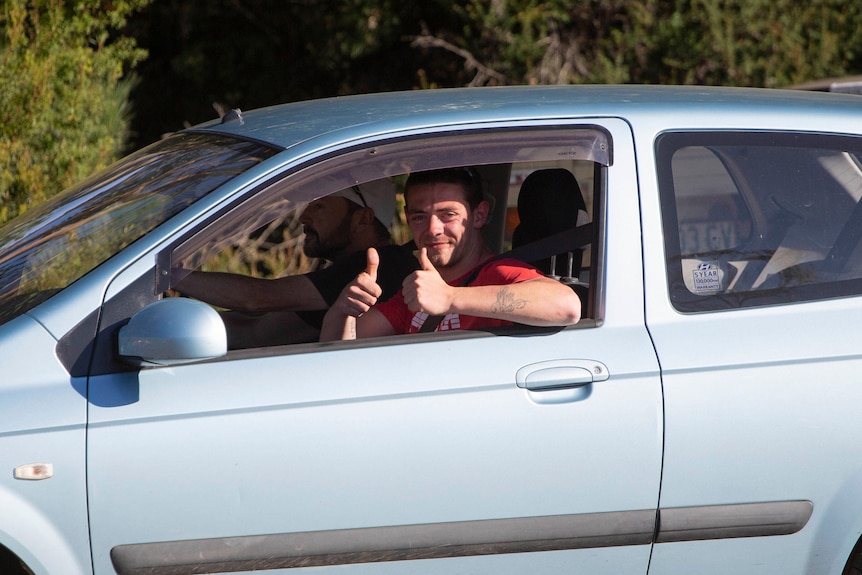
(52, 245)
(760, 218)
(263, 237)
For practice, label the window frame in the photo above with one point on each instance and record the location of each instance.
(386, 158)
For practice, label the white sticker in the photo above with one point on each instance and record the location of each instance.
(706, 278)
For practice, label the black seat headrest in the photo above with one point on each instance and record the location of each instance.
(548, 203)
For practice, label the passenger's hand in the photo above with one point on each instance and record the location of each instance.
(424, 290)
(362, 293)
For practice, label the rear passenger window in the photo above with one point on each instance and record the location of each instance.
(756, 219)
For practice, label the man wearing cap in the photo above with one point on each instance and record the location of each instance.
(338, 228)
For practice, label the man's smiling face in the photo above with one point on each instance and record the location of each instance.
(441, 220)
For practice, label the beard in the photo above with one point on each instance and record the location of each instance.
(447, 257)
(327, 247)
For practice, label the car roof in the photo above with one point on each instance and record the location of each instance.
(287, 125)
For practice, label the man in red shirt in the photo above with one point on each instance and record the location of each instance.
(446, 211)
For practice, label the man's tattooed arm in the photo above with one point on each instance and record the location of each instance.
(506, 302)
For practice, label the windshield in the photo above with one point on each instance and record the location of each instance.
(50, 246)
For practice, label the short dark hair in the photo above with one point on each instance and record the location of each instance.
(466, 177)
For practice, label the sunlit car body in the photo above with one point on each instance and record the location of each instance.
(702, 417)
(844, 85)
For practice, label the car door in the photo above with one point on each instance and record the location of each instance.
(466, 452)
(760, 370)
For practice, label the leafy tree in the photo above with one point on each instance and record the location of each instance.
(63, 94)
(66, 84)
(766, 43)
(763, 43)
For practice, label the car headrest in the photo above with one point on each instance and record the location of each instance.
(548, 203)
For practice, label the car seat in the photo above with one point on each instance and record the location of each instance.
(550, 201)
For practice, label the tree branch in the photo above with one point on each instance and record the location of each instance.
(483, 73)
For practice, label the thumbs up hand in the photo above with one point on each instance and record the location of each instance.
(424, 290)
(362, 293)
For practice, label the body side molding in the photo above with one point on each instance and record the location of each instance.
(391, 543)
(731, 521)
(459, 539)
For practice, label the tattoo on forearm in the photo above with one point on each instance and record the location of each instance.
(506, 302)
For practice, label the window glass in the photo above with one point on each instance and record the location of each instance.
(760, 218)
(54, 244)
(712, 214)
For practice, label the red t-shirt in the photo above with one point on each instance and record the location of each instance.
(499, 272)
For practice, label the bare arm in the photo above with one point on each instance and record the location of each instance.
(339, 326)
(540, 301)
(244, 293)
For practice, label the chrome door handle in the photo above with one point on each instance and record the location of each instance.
(560, 374)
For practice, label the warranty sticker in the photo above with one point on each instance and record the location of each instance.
(707, 278)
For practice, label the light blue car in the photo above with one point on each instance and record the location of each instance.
(704, 416)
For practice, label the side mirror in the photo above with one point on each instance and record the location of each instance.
(172, 331)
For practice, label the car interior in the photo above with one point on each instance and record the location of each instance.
(541, 208)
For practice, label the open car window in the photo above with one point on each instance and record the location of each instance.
(263, 236)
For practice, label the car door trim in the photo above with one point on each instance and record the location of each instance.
(459, 539)
(731, 521)
(391, 543)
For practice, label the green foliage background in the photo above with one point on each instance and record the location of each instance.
(64, 95)
(85, 81)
